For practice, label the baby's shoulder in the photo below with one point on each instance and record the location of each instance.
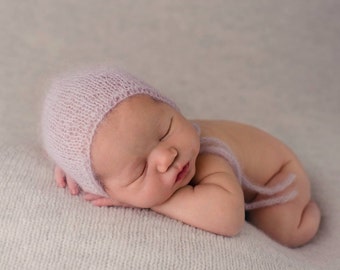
(236, 135)
(209, 164)
(258, 153)
(216, 128)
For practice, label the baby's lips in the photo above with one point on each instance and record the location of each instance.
(183, 172)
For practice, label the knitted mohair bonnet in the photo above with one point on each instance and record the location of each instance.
(74, 106)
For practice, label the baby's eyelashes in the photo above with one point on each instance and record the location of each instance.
(141, 170)
(168, 130)
(145, 165)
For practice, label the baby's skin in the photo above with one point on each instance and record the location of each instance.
(146, 155)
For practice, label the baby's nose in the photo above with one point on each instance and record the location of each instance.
(166, 159)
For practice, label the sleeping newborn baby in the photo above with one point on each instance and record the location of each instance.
(123, 143)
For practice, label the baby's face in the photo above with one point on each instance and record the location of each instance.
(144, 151)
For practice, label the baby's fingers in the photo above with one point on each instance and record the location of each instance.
(91, 197)
(73, 186)
(59, 177)
(98, 200)
(63, 180)
(101, 201)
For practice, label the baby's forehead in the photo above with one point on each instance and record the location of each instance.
(134, 113)
(135, 104)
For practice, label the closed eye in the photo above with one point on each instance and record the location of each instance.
(168, 130)
(144, 169)
(138, 171)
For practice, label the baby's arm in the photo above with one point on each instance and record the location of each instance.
(215, 203)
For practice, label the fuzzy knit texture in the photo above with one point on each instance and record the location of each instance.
(272, 64)
(76, 103)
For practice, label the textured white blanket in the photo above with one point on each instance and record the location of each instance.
(273, 64)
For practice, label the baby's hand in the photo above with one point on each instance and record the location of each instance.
(65, 181)
(103, 201)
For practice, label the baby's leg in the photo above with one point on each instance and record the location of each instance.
(293, 223)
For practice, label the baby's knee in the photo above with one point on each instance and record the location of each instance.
(293, 224)
(306, 228)
(310, 221)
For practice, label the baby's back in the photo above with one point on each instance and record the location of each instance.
(259, 154)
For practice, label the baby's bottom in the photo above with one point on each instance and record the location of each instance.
(293, 223)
